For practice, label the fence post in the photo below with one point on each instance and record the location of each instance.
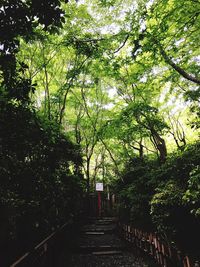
(187, 261)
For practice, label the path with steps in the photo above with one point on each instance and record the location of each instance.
(99, 246)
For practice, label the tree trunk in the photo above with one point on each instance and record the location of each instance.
(160, 145)
(141, 151)
(88, 175)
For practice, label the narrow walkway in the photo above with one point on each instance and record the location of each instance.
(99, 246)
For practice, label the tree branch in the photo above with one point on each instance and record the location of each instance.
(122, 45)
(177, 68)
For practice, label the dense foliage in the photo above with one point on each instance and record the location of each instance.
(40, 187)
(40, 176)
(164, 198)
(105, 91)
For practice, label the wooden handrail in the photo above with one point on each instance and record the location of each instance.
(20, 260)
(43, 244)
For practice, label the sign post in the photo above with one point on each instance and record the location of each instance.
(99, 203)
(99, 189)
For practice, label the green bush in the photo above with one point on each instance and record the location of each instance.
(192, 194)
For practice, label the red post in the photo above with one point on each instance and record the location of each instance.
(99, 203)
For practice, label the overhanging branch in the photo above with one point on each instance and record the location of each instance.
(177, 68)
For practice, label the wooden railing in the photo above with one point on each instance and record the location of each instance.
(152, 244)
(45, 253)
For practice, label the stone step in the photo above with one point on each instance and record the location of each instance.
(91, 248)
(103, 220)
(110, 252)
(109, 226)
(93, 233)
(103, 223)
(99, 229)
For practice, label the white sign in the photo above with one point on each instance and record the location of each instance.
(99, 186)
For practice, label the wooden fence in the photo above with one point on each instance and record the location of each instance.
(156, 248)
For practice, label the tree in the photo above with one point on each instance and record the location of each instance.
(20, 19)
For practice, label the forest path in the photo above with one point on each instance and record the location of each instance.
(99, 246)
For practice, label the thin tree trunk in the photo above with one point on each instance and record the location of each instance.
(141, 151)
(70, 84)
(47, 94)
(109, 152)
(88, 174)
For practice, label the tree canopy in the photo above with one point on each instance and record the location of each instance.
(101, 90)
